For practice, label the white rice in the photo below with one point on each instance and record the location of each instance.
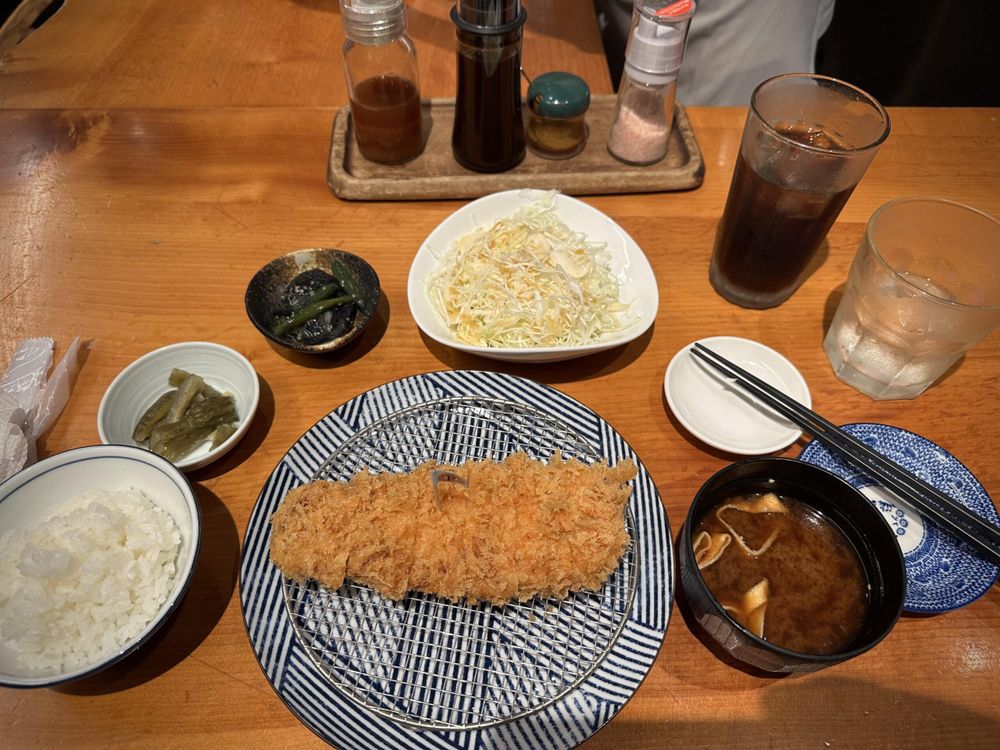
(85, 582)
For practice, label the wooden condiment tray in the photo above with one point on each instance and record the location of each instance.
(435, 174)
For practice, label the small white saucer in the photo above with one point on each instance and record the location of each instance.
(722, 414)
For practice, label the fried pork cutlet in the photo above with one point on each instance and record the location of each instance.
(520, 528)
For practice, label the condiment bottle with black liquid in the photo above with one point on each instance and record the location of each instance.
(380, 63)
(488, 133)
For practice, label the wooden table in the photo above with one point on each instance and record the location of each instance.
(254, 53)
(134, 214)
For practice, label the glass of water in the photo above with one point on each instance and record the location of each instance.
(923, 289)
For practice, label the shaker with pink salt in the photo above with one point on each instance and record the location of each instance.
(644, 114)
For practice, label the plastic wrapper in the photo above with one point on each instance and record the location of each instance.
(31, 399)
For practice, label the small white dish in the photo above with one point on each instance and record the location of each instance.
(31, 496)
(628, 263)
(137, 386)
(722, 414)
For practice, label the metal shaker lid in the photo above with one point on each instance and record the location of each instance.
(373, 21)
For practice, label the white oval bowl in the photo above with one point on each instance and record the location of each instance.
(628, 264)
(32, 495)
(137, 386)
(720, 413)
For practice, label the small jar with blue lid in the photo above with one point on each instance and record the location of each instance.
(557, 108)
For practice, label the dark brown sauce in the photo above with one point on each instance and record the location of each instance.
(818, 595)
(488, 133)
(386, 112)
(769, 233)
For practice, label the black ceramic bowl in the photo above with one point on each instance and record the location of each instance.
(840, 503)
(269, 283)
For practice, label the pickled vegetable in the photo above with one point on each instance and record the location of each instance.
(183, 419)
(221, 433)
(346, 279)
(176, 448)
(208, 413)
(317, 306)
(178, 376)
(186, 392)
(152, 415)
(309, 312)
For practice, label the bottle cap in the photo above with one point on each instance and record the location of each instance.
(372, 21)
(656, 45)
(675, 9)
(559, 95)
(488, 13)
(487, 23)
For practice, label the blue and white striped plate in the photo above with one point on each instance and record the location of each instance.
(942, 572)
(365, 672)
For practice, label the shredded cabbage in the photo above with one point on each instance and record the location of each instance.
(527, 281)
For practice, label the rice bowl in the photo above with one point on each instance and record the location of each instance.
(99, 576)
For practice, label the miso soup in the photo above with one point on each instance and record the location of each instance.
(783, 571)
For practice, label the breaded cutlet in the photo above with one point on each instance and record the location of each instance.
(520, 528)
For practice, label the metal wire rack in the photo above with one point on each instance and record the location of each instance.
(432, 664)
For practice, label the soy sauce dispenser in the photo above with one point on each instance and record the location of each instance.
(488, 132)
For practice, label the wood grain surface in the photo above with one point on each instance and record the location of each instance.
(135, 217)
(253, 53)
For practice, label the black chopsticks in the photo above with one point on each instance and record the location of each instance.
(971, 528)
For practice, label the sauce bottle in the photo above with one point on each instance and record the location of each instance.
(380, 64)
(488, 132)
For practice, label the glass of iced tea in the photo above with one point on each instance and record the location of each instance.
(923, 289)
(807, 141)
